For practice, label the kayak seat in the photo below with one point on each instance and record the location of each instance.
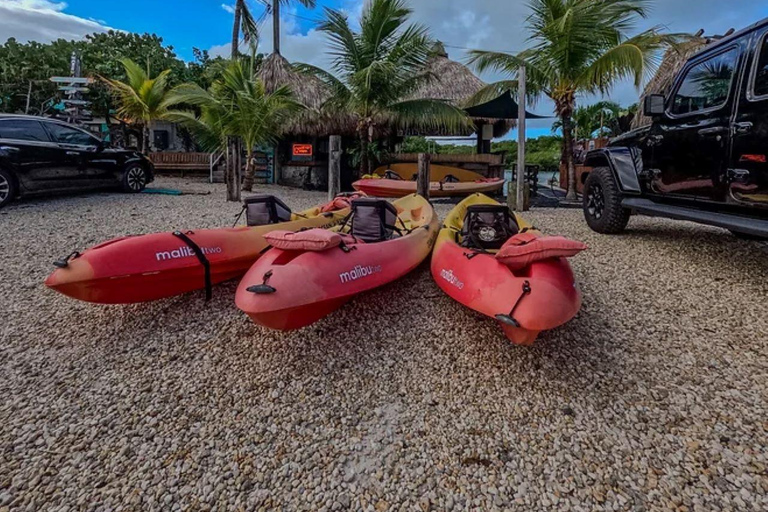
(487, 227)
(392, 175)
(450, 178)
(373, 220)
(263, 209)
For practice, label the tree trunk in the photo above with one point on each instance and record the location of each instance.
(236, 29)
(363, 137)
(249, 171)
(370, 144)
(276, 26)
(569, 165)
(232, 172)
(145, 139)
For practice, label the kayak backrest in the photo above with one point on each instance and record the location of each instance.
(263, 209)
(487, 226)
(373, 220)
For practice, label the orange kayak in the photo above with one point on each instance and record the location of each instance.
(398, 180)
(154, 266)
(290, 289)
(539, 297)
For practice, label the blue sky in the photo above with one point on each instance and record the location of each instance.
(206, 24)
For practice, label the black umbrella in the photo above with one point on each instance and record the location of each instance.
(503, 107)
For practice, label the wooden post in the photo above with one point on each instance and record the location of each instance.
(276, 27)
(520, 205)
(334, 166)
(422, 180)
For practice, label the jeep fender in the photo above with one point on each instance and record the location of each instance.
(625, 165)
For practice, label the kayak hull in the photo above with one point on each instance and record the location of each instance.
(397, 188)
(310, 285)
(487, 286)
(160, 265)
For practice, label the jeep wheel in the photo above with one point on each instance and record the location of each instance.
(7, 188)
(602, 203)
(134, 179)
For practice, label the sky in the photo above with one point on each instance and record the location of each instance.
(460, 24)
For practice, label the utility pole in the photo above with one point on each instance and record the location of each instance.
(276, 26)
(520, 196)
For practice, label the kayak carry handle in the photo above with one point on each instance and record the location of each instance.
(506, 319)
(64, 262)
(261, 289)
(509, 319)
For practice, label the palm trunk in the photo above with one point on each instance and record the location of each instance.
(363, 137)
(276, 26)
(249, 171)
(232, 172)
(145, 139)
(236, 29)
(568, 141)
(370, 144)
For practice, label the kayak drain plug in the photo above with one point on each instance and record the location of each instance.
(263, 288)
(64, 262)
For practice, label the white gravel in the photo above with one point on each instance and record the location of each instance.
(653, 398)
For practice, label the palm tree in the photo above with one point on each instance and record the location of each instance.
(601, 118)
(235, 106)
(245, 22)
(579, 46)
(142, 100)
(378, 69)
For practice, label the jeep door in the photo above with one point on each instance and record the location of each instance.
(690, 142)
(33, 156)
(748, 170)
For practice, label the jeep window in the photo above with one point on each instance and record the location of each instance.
(761, 77)
(22, 129)
(706, 85)
(66, 135)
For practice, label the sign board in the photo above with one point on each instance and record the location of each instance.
(302, 152)
(73, 88)
(71, 80)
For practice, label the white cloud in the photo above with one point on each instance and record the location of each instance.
(42, 21)
(229, 8)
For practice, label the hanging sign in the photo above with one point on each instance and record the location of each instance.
(302, 151)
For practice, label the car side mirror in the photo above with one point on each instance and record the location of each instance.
(654, 105)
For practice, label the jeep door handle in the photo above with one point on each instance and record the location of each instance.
(717, 130)
(73, 153)
(10, 149)
(742, 128)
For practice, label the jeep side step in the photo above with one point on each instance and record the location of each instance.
(737, 223)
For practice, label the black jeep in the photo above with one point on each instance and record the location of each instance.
(705, 156)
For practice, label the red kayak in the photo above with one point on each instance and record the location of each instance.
(536, 295)
(290, 289)
(149, 267)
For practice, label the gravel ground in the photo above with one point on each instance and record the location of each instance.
(653, 398)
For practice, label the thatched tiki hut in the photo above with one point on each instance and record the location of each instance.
(674, 60)
(301, 157)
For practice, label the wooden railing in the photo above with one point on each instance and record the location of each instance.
(488, 158)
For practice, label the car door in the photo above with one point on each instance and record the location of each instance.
(84, 153)
(748, 171)
(690, 142)
(35, 158)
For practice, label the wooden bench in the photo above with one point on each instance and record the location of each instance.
(183, 162)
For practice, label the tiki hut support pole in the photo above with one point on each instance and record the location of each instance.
(422, 180)
(520, 192)
(334, 167)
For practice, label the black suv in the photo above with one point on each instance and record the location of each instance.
(40, 155)
(705, 156)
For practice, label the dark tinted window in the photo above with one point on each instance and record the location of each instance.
(22, 129)
(707, 84)
(67, 135)
(761, 81)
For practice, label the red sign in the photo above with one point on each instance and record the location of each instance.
(304, 150)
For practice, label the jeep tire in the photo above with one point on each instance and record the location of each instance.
(602, 203)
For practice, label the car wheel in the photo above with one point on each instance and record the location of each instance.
(602, 203)
(134, 179)
(8, 188)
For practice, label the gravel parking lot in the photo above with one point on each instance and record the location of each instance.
(653, 398)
